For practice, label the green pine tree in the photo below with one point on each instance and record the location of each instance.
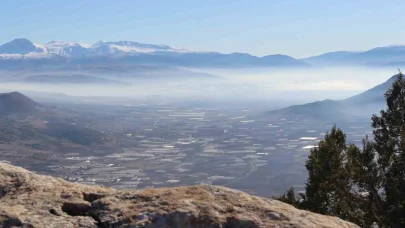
(362, 185)
(389, 137)
(289, 197)
(328, 189)
(365, 183)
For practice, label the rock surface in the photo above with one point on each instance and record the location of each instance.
(31, 200)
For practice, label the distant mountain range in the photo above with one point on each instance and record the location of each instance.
(389, 56)
(23, 53)
(22, 47)
(366, 103)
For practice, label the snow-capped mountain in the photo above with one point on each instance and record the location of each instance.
(58, 53)
(22, 47)
(128, 47)
(21, 53)
(66, 48)
(143, 53)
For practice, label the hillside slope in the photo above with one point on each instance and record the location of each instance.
(31, 200)
(17, 103)
(373, 95)
(367, 102)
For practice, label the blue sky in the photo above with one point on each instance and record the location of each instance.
(298, 28)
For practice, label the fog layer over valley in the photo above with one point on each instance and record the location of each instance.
(242, 84)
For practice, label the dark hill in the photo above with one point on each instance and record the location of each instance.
(373, 95)
(315, 109)
(17, 103)
(367, 102)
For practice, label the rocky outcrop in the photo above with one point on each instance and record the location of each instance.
(31, 200)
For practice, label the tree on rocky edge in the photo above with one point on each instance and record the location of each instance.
(362, 185)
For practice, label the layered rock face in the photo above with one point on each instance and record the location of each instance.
(31, 200)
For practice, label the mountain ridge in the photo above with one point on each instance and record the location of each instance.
(58, 53)
(63, 48)
(378, 56)
(370, 100)
(24, 50)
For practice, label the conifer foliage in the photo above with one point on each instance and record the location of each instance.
(364, 185)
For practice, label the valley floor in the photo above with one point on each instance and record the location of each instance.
(164, 146)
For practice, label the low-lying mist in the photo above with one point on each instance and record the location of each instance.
(278, 87)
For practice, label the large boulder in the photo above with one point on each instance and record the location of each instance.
(31, 200)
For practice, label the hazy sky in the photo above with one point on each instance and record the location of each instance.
(294, 27)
